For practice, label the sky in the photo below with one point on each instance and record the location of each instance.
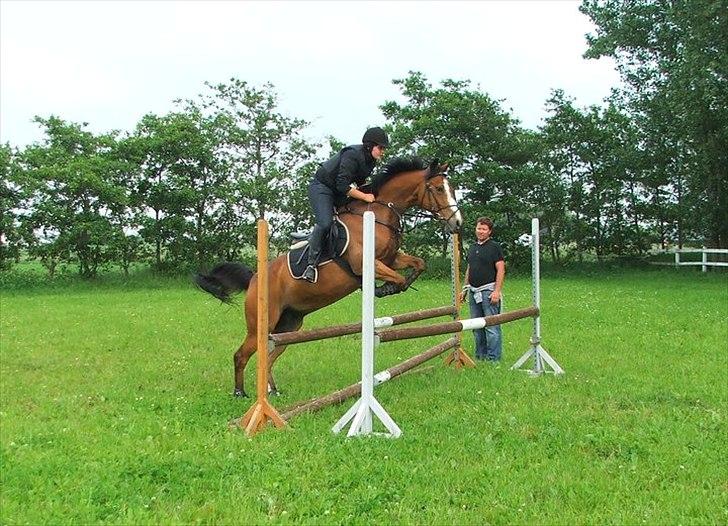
(108, 63)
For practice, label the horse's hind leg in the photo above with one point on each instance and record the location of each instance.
(240, 361)
(290, 320)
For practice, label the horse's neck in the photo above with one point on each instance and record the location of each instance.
(401, 197)
(381, 209)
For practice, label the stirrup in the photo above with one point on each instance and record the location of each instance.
(309, 274)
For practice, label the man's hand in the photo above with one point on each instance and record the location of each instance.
(495, 296)
(369, 198)
(463, 295)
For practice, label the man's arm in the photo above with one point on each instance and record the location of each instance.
(466, 281)
(500, 275)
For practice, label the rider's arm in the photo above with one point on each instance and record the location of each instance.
(347, 172)
(358, 194)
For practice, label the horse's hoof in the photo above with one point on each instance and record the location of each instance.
(274, 392)
(387, 289)
(239, 393)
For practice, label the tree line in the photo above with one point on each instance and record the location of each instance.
(647, 168)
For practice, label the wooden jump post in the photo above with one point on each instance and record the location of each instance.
(261, 411)
(458, 358)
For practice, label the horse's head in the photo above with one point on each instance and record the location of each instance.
(439, 197)
(409, 182)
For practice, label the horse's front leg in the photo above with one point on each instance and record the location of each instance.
(403, 261)
(394, 280)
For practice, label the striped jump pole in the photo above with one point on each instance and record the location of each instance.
(542, 359)
(353, 390)
(362, 412)
(288, 338)
(455, 327)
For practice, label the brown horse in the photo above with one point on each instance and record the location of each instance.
(403, 184)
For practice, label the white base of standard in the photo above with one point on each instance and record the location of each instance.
(543, 363)
(361, 414)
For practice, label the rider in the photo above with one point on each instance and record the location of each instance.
(336, 179)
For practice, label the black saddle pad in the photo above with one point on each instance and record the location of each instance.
(336, 243)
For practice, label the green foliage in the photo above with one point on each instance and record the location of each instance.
(672, 59)
(183, 190)
(490, 156)
(268, 160)
(116, 400)
(75, 187)
(11, 199)
(597, 196)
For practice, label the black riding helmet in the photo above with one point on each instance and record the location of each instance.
(376, 136)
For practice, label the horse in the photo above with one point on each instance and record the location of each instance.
(404, 183)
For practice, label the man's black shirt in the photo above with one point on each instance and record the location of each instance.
(482, 260)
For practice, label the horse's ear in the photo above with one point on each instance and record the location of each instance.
(443, 168)
(432, 169)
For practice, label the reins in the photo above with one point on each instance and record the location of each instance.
(399, 229)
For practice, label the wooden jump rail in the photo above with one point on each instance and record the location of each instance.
(389, 335)
(451, 327)
(341, 395)
(287, 338)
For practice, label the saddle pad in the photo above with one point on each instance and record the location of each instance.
(298, 255)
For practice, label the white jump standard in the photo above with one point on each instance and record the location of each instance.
(361, 412)
(541, 357)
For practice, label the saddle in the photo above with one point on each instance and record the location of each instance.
(333, 247)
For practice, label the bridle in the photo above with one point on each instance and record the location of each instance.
(423, 212)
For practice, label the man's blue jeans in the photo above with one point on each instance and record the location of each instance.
(488, 341)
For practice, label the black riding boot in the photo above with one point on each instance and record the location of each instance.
(314, 252)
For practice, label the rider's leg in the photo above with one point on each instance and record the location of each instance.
(322, 203)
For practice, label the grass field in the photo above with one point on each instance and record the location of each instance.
(115, 403)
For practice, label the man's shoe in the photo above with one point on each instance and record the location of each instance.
(309, 274)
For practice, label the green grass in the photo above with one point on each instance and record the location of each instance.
(116, 398)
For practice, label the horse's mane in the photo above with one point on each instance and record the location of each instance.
(395, 167)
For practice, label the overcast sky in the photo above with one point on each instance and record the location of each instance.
(332, 63)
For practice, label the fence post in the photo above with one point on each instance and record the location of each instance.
(540, 356)
(367, 406)
(705, 260)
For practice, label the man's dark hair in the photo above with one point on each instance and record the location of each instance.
(485, 221)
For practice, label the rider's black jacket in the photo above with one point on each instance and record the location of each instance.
(352, 165)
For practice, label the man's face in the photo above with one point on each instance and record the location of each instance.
(482, 232)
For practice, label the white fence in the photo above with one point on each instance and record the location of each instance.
(705, 263)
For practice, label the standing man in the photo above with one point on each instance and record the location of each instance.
(484, 279)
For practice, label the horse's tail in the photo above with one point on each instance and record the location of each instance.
(225, 280)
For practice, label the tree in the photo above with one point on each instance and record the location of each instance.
(73, 195)
(11, 200)
(490, 155)
(671, 56)
(266, 156)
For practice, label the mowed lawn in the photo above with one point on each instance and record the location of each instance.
(116, 400)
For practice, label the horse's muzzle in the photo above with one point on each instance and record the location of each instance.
(455, 222)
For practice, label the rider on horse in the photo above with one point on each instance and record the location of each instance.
(338, 178)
